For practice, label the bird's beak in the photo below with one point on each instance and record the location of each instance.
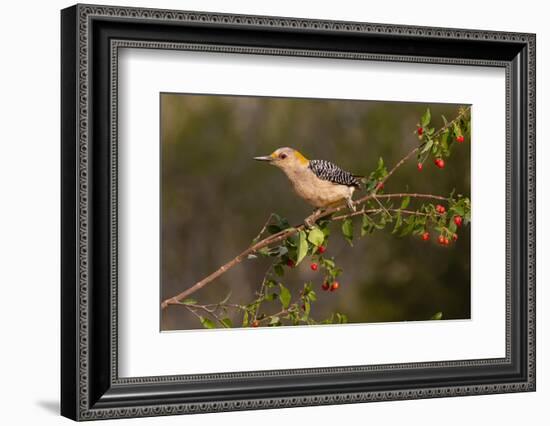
(264, 158)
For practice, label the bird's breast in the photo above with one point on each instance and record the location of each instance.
(317, 192)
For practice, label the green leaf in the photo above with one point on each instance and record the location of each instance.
(444, 142)
(279, 270)
(341, 318)
(189, 302)
(270, 283)
(307, 309)
(410, 224)
(456, 129)
(324, 225)
(457, 209)
(278, 251)
(405, 202)
(316, 237)
(273, 229)
(376, 176)
(427, 146)
(245, 318)
(347, 230)
(282, 222)
(207, 322)
(367, 226)
(398, 222)
(284, 296)
(274, 321)
(335, 272)
(437, 316)
(227, 323)
(452, 226)
(426, 118)
(264, 251)
(302, 247)
(329, 263)
(382, 223)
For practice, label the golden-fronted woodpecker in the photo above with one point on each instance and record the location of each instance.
(321, 183)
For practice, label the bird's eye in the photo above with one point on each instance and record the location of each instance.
(282, 156)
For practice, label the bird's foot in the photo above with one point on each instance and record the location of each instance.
(309, 222)
(350, 204)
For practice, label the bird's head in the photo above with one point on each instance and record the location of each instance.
(285, 158)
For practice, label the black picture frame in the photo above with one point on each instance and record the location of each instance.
(90, 386)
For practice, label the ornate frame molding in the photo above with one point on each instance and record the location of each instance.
(85, 405)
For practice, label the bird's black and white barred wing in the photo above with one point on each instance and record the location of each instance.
(329, 171)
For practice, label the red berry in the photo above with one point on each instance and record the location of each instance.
(420, 130)
(441, 239)
(419, 167)
(325, 286)
(380, 186)
(303, 307)
(321, 249)
(426, 236)
(455, 237)
(458, 220)
(439, 162)
(335, 285)
(447, 241)
(440, 209)
(255, 323)
(460, 138)
(314, 266)
(290, 263)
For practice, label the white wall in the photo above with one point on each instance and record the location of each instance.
(29, 212)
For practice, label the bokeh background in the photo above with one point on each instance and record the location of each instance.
(215, 199)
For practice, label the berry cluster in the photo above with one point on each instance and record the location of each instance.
(329, 283)
(330, 287)
(439, 143)
(442, 239)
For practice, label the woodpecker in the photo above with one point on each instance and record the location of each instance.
(319, 182)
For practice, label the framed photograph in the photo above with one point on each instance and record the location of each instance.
(263, 212)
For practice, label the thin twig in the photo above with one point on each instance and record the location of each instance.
(264, 227)
(450, 123)
(374, 197)
(262, 289)
(278, 314)
(211, 312)
(399, 164)
(375, 211)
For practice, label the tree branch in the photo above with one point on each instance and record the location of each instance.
(374, 211)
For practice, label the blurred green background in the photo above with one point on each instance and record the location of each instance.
(215, 199)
